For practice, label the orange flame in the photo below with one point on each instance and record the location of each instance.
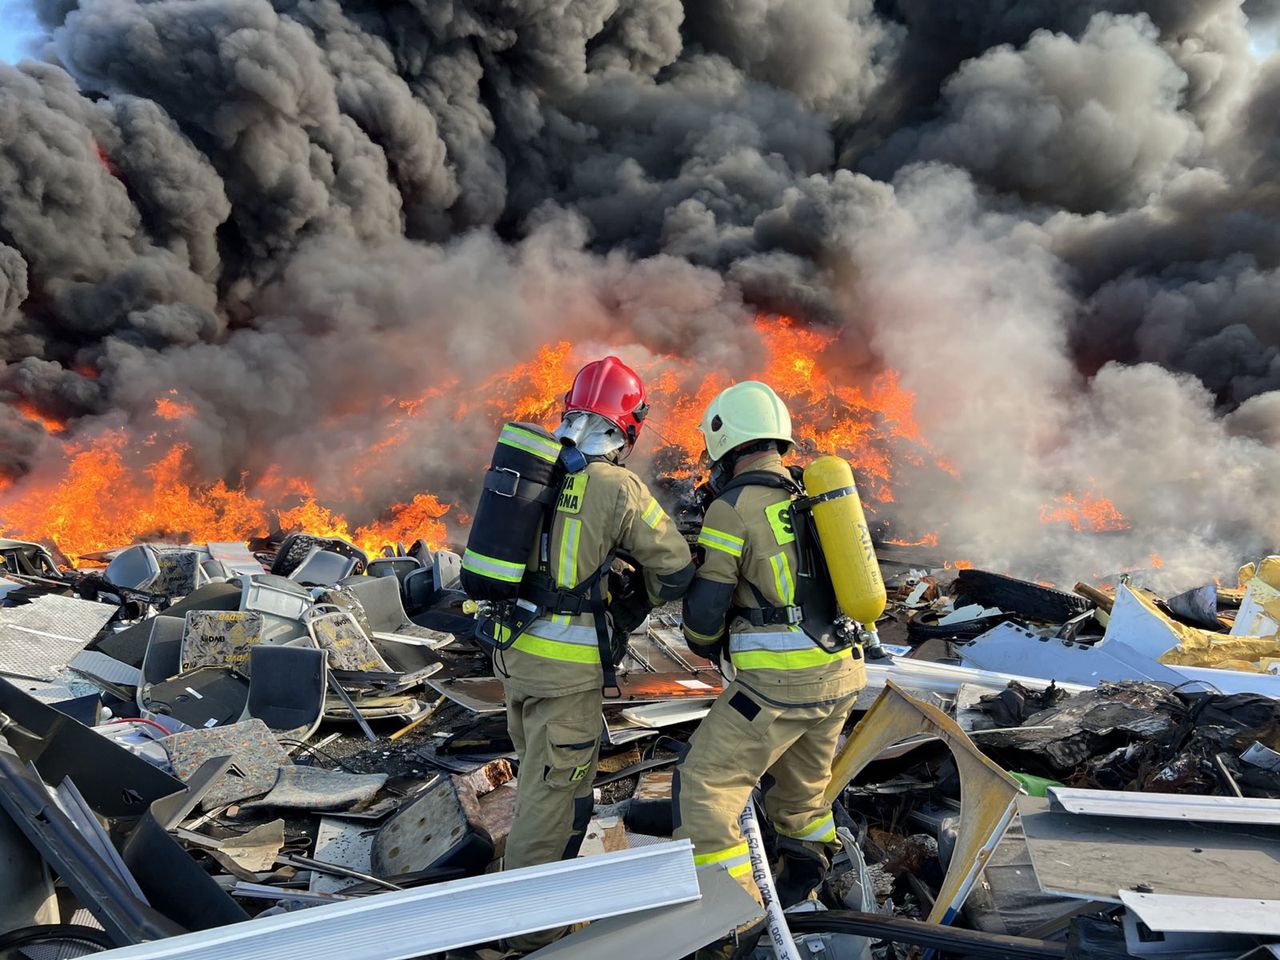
(1088, 512)
(100, 503)
(111, 491)
(928, 540)
(168, 408)
(29, 412)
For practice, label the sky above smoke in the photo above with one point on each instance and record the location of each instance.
(19, 29)
(1057, 220)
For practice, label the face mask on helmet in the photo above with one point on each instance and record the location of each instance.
(591, 433)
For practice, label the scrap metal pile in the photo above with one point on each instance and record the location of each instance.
(226, 751)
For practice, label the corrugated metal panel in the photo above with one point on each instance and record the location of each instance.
(1166, 806)
(444, 916)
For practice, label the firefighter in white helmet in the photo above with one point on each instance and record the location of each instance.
(790, 697)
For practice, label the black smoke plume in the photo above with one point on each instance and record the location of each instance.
(1057, 220)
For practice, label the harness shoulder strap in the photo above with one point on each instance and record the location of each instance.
(587, 597)
(765, 613)
(763, 478)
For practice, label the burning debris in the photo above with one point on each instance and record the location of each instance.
(248, 290)
(311, 725)
(271, 273)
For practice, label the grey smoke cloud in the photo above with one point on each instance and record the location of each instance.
(1084, 125)
(1055, 220)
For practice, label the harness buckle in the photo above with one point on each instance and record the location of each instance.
(515, 481)
(795, 614)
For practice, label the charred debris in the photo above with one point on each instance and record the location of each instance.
(236, 751)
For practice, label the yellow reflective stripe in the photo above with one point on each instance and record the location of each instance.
(782, 577)
(738, 869)
(567, 573)
(492, 567)
(719, 856)
(719, 540)
(652, 514)
(704, 638)
(541, 447)
(570, 538)
(557, 649)
(786, 659)
(819, 830)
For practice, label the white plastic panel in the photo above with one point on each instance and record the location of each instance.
(1166, 806)
(444, 916)
(1165, 912)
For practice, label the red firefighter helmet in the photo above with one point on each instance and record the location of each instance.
(610, 389)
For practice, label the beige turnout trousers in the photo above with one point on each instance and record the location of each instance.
(743, 738)
(558, 742)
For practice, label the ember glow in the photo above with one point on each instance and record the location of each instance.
(114, 490)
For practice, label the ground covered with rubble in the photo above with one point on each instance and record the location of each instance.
(238, 751)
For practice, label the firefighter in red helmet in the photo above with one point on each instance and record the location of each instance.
(554, 671)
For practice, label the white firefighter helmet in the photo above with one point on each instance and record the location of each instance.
(744, 413)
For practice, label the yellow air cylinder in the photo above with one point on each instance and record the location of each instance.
(846, 540)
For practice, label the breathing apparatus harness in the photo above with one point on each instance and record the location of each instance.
(815, 610)
(514, 506)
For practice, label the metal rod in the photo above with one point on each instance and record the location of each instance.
(298, 860)
(640, 660)
(672, 652)
(364, 724)
(313, 747)
(1226, 775)
(414, 725)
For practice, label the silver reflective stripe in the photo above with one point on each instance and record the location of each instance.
(818, 830)
(563, 632)
(732, 864)
(721, 541)
(544, 447)
(777, 642)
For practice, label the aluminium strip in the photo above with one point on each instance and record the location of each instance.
(1171, 913)
(444, 916)
(1165, 806)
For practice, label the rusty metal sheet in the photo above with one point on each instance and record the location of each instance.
(485, 695)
